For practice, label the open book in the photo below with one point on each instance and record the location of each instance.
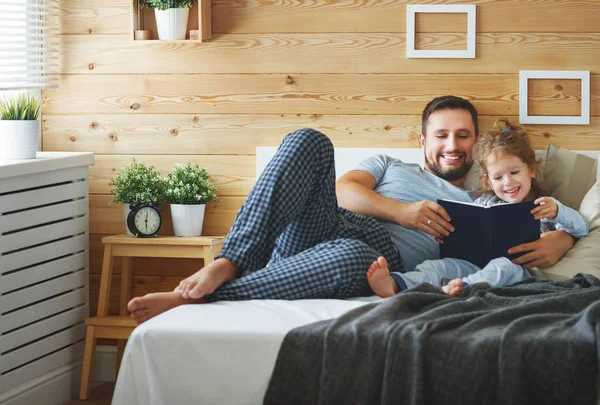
(485, 233)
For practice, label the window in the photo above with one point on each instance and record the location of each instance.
(28, 41)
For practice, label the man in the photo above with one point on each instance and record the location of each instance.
(314, 249)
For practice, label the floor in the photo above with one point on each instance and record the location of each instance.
(101, 395)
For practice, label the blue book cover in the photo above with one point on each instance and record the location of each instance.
(485, 233)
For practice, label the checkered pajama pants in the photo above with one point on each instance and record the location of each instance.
(291, 221)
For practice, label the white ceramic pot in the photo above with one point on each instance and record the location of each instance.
(172, 23)
(187, 219)
(19, 139)
(126, 211)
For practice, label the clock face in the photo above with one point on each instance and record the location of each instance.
(147, 220)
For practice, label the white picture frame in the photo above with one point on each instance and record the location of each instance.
(413, 9)
(526, 75)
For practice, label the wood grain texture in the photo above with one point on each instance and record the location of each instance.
(277, 16)
(227, 134)
(108, 219)
(323, 53)
(233, 175)
(142, 266)
(492, 94)
(252, 16)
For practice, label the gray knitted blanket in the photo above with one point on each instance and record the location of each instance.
(537, 342)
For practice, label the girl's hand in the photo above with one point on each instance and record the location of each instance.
(547, 208)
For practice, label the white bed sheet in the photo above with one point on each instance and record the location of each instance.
(220, 353)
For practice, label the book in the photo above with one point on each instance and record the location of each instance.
(485, 233)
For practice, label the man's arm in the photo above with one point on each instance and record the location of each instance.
(355, 191)
(544, 252)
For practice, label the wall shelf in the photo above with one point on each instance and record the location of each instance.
(199, 20)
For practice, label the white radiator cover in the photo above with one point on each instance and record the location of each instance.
(44, 260)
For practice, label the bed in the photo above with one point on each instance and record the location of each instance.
(225, 352)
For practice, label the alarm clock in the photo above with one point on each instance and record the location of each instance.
(143, 220)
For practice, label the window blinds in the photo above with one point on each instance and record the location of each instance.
(28, 40)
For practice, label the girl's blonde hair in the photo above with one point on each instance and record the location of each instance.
(506, 140)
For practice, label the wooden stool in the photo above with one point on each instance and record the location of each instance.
(127, 247)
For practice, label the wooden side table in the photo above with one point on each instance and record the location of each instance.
(127, 247)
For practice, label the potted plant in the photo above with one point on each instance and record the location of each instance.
(188, 189)
(20, 126)
(137, 183)
(171, 16)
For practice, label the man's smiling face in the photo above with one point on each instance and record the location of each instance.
(448, 144)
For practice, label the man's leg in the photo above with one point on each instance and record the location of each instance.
(295, 193)
(332, 269)
(498, 273)
(293, 204)
(434, 271)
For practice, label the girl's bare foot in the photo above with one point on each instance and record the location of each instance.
(150, 305)
(380, 280)
(206, 280)
(454, 287)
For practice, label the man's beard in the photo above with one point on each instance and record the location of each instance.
(449, 174)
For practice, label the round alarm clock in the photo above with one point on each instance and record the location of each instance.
(143, 220)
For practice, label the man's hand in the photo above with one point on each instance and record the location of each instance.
(426, 216)
(544, 252)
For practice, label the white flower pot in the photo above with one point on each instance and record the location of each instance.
(126, 211)
(171, 23)
(19, 139)
(187, 219)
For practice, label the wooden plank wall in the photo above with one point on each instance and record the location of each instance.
(274, 66)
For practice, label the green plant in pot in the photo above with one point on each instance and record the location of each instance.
(20, 125)
(137, 185)
(171, 16)
(188, 189)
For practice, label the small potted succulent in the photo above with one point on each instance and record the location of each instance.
(137, 183)
(171, 16)
(188, 189)
(20, 125)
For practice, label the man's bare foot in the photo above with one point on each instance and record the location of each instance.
(150, 305)
(380, 280)
(454, 287)
(206, 280)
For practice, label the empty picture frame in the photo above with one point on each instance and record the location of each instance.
(525, 118)
(412, 10)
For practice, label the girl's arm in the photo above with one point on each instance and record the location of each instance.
(569, 220)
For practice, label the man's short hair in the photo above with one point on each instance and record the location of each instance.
(448, 103)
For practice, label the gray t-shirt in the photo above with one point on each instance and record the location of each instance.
(408, 183)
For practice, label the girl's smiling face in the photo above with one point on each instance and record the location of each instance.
(510, 178)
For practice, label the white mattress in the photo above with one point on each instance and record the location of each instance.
(220, 353)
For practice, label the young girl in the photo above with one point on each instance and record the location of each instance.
(508, 163)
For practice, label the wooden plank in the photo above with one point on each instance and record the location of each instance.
(253, 16)
(140, 285)
(259, 16)
(323, 53)
(241, 134)
(93, 17)
(143, 266)
(108, 218)
(233, 175)
(366, 94)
